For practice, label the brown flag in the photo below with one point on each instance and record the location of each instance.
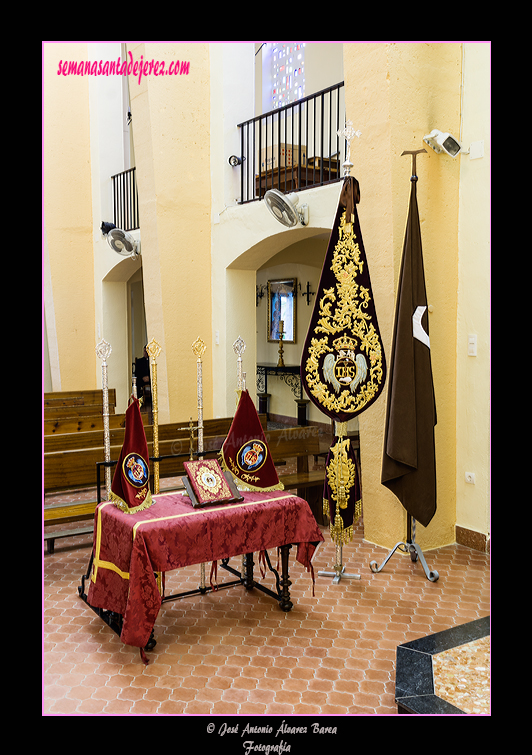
(409, 461)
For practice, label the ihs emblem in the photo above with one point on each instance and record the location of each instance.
(346, 369)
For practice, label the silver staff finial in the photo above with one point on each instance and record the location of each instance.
(349, 133)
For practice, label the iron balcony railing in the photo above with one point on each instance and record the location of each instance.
(125, 200)
(294, 147)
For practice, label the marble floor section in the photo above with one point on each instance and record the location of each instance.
(232, 652)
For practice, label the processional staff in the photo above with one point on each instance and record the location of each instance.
(239, 347)
(103, 350)
(198, 347)
(153, 350)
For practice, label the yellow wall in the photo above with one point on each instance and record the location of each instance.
(201, 250)
(473, 373)
(171, 138)
(67, 207)
(395, 94)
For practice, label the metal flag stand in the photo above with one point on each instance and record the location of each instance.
(339, 573)
(409, 547)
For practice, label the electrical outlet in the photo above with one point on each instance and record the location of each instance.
(470, 477)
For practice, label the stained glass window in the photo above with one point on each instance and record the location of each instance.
(287, 72)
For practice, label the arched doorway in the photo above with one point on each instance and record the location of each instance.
(123, 324)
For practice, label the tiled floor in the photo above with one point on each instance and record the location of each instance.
(234, 652)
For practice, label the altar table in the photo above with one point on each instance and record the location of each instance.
(132, 551)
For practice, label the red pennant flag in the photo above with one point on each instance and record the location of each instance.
(130, 489)
(245, 452)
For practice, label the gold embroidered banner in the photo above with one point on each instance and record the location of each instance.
(343, 366)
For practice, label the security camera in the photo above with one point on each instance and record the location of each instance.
(440, 141)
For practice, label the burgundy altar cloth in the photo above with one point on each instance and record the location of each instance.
(171, 534)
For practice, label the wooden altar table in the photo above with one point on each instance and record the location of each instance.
(131, 552)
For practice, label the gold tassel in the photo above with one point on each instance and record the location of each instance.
(122, 505)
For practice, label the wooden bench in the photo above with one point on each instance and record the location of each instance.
(59, 399)
(72, 411)
(61, 513)
(65, 404)
(76, 467)
(300, 442)
(71, 461)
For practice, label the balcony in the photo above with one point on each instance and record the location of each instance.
(294, 147)
(125, 200)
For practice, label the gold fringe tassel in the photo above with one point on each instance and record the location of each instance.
(122, 505)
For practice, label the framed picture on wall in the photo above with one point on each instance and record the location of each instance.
(282, 300)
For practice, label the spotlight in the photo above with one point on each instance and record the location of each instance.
(234, 161)
(441, 141)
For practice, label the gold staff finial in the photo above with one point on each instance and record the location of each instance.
(198, 347)
(153, 349)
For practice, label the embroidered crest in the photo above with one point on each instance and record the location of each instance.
(251, 456)
(135, 470)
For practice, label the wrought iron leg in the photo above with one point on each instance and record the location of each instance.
(409, 547)
(202, 587)
(285, 602)
(339, 569)
(247, 562)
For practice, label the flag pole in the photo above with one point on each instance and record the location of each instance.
(103, 350)
(410, 546)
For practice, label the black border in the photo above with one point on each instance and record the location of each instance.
(414, 680)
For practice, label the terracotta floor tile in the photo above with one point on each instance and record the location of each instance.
(234, 653)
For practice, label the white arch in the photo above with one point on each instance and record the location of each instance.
(245, 238)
